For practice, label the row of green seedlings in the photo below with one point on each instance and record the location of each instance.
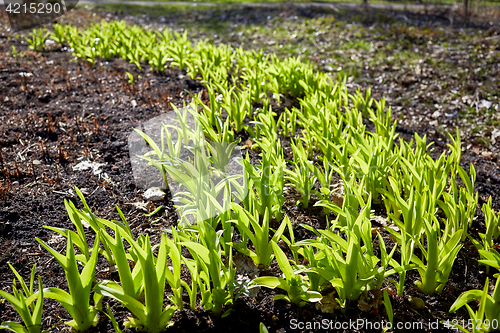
(412, 187)
(341, 257)
(487, 317)
(409, 182)
(322, 128)
(212, 273)
(330, 266)
(256, 74)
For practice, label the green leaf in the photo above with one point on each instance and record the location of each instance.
(198, 250)
(311, 296)
(150, 142)
(388, 306)
(154, 212)
(467, 297)
(283, 262)
(113, 290)
(14, 327)
(268, 281)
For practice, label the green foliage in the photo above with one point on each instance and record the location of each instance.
(349, 265)
(388, 307)
(288, 122)
(411, 230)
(59, 34)
(489, 256)
(36, 39)
(131, 281)
(149, 315)
(301, 177)
(439, 256)
(131, 80)
(251, 229)
(202, 174)
(215, 279)
(268, 183)
(427, 210)
(22, 300)
(77, 301)
(295, 284)
(111, 317)
(489, 307)
(77, 217)
(14, 53)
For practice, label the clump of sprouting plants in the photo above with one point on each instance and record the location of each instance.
(428, 214)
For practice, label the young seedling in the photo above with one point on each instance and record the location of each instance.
(77, 301)
(250, 228)
(300, 178)
(492, 233)
(349, 265)
(215, 278)
(131, 80)
(59, 34)
(411, 229)
(268, 186)
(37, 38)
(296, 285)
(485, 319)
(150, 315)
(437, 257)
(22, 301)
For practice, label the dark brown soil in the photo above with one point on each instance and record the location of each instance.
(67, 111)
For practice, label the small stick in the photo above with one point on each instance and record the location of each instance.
(1, 159)
(68, 83)
(58, 179)
(96, 124)
(5, 188)
(42, 147)
(51, 124)
(65, 117)
(70, 134)
(18, 174)
(77, 123)
(62, 154)
(47, 179)
(33, 170)
(87, 145)
(86, 151)
(6, 173)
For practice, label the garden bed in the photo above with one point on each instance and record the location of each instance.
(58, 111)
